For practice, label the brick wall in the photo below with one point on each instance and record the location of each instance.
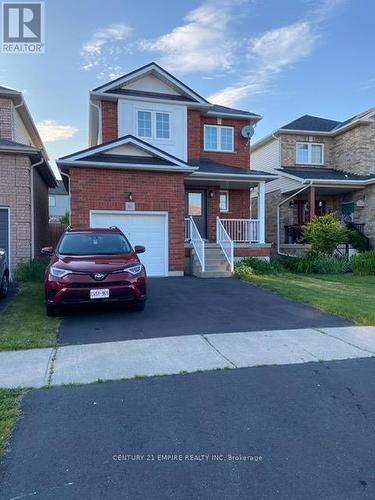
(15, 194)
(288, 149)
(241, 155)
(104, 189)
(6, 123)
(354, 150)
(109, 121)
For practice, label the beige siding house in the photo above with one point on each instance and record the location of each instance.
(25, 176)
(323, 166)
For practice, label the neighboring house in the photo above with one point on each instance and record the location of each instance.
(58, 202)
(171, 170)
(25, 176)
(323, 166)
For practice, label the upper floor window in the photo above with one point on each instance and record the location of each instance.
(218, 138)
(154, 124)
(309, 153)
(51, 201)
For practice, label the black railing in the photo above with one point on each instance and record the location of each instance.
(293, 233)
(358, 239)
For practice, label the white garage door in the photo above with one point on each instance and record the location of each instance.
(144, 228)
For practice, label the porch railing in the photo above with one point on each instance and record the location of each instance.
(242, 230)
(225, 241)
(198, 243)
(187, 229)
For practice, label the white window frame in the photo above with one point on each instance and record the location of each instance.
(224, 191)
(51, 197)
(218, 138)
(309, 149)
(153, 124)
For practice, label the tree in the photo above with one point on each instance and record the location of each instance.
(64, 219)
(325, 234)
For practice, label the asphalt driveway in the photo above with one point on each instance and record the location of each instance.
(188, 306)
(183, 436)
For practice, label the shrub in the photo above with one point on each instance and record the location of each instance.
(32, 271)
(321, 264)
(324, 233)
(357, 240)
(259, 266)
(364, 263)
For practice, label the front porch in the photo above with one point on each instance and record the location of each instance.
(219, 228)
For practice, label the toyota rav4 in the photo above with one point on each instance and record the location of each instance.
(93, 266)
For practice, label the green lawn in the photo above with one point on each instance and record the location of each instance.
(344, 294)
(24, 323)
(10, 400)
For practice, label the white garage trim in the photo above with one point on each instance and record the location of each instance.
(139, 212)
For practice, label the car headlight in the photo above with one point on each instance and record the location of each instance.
(134, 269)
(57, 272)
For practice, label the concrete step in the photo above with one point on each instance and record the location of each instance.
(211, 268)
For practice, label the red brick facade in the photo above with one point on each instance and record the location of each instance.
(109, 121)
(104, 189)
(241, 155)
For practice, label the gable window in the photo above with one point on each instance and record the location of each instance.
(144, 124)
(218, 138)
(162, 125)
(224, 201)
(309, 153)
(154, 124)
(51, 201)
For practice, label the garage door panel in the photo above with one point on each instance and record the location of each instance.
(148, 230)
(4, 229)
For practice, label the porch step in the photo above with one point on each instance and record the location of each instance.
(216, 265)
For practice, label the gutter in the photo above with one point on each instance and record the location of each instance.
(119, 166)
(32, 166)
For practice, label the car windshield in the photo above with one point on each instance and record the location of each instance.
(94, 244)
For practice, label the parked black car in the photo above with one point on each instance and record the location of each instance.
(4, 274)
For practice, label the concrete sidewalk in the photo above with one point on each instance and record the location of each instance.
(172, 355)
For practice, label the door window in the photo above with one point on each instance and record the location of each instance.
(195, 204)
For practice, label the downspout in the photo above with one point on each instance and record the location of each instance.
(278, 216)
(70, 208)
(32, 166)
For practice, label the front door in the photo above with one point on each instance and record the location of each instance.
(196, 206)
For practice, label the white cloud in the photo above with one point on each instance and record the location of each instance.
(103, 40)
(51, 131)
(204, 43)
(270, 53)
(367, 84)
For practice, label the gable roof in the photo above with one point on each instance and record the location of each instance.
(311, 123)
(155, 69)
(100, 156)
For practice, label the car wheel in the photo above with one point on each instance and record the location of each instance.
(139, 306)
(4, 286)
(52, 311)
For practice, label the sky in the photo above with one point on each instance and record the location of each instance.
(279, 58)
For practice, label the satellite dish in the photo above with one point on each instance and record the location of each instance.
(248, 132)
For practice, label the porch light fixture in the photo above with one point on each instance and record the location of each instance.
(130, 196)
(211, 194)
(320, 204)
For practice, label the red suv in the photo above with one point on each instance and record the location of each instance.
(94, 265)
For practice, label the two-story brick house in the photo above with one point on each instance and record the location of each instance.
(25, 176)
(171, 170)
(323, 166)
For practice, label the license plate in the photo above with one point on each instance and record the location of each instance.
(99, 293)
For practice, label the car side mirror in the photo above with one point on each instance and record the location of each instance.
(139, 249)
(47, 251)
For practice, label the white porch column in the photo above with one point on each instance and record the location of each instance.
(262, 211)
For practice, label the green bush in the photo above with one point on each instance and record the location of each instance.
(364, 263)
(259, 266)
(357, 240)
(321, 264)
(325, 234)
(64, 219)
(32, 271)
